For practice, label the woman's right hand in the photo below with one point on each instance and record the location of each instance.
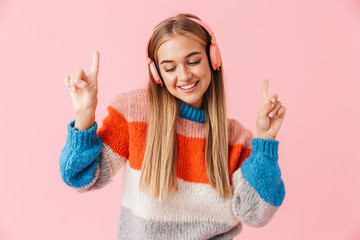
(83, 90)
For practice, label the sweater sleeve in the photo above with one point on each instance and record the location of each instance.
(91, 158)
(258, 188)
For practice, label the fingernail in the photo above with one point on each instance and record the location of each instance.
(77, 81)
(73, 89)
(271, 114)
(273, 100)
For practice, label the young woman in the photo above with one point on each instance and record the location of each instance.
(189, 171)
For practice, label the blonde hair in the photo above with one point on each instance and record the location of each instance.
(158, 174)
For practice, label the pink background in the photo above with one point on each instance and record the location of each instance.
(310, 51)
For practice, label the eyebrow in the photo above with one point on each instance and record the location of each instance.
(189, 55)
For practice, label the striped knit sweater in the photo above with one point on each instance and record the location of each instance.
(91, 158)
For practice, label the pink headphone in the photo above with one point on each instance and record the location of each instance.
(214, 51)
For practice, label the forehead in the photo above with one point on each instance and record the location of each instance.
(178, 47)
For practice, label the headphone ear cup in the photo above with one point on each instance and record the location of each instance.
(155, 73)
(215, 56)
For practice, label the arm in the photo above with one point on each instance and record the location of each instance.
(258, 188)
(80, 157)
(90, 158)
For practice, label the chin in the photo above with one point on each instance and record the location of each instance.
(191, 103)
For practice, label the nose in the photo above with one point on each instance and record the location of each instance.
(184, 74)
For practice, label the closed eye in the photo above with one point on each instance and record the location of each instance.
(170, 70)
(190, 63)
(194, 63)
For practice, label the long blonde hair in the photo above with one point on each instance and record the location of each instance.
(158, 174)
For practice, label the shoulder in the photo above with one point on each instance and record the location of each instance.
(134, 105)
(238, 134)
(131, 97)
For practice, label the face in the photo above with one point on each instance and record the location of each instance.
(185, 69)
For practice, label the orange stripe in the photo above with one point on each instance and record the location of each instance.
(234, 156)
(114, 132)
(137, 132)
(190, 164)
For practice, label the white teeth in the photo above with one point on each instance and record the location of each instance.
(189, 86)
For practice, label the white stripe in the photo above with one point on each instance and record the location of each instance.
(190, 203)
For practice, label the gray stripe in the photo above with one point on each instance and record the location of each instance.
(132, 227)
(249, 207)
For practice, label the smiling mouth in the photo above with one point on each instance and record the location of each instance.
(189, 86)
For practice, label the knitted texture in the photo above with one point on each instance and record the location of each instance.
(91, 158)
(269, 186)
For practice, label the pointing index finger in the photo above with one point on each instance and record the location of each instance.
(95, 63)
(264, 92)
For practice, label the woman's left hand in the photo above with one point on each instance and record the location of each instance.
(271, 114)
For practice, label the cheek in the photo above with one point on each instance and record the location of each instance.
(205, 73)
(204, 69)
(169, 81)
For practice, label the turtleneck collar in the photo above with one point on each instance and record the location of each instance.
(191, 113)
